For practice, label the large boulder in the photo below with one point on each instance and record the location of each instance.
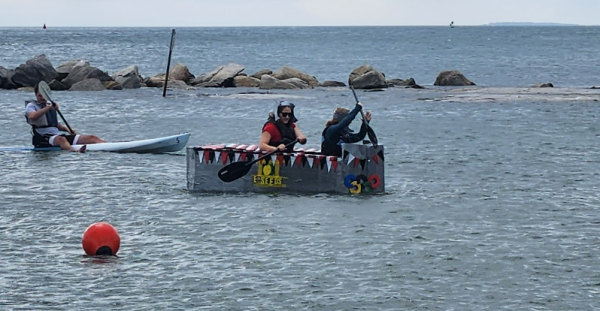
(262, 72)
(180, 72)
(245, 81)
(128, 78)
(268, 83)
(81, 73)
(65, 69)
(220, 77)
(288, 73)
(452, 78)
(6, 79)
(33, 71)
(367, 77)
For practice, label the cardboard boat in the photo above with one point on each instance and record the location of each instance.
(360, 170)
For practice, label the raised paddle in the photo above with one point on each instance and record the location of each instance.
(370, 132)
(44, 90)
(237, 170)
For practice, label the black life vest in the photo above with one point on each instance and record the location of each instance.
(334, 148)
(287, 132)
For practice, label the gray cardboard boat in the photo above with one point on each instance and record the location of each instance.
(360, 170)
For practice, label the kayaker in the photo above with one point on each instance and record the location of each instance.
(280, 131)
(46, 129)
(337, 130)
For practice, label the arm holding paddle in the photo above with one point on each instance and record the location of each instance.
(237, 170)
(370, 132)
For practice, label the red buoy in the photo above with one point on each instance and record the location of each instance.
(101, 239)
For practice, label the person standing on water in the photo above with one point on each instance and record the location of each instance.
(46, 129)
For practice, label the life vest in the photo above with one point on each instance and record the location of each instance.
(50, 118)
(334, 148)
(288, 135)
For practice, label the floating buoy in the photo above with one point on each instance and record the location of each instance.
(101, 239)
(44, 26)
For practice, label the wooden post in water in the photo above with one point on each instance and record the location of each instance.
(169, 62)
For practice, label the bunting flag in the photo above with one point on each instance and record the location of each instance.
(280, 159)
(356, 161)
(218, 155)
(293, 160)
(243, 156)
(237, 156)
(362, 164)
(328, 165)
(334, 162)
(224, 156)
(201, 155)
(323, 161)
(286, 159)
(310, 161)
(206, 155)
(380, 154)
(376, 158)
(350, 159)
(317, 162)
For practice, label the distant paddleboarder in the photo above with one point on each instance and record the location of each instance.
(452, 24)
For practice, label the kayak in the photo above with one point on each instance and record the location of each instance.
(360, 170)
(154, 145)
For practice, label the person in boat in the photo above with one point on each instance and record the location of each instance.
(281, 131)
(46, 130)
(337, 130)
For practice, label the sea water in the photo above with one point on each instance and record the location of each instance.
(492, 192)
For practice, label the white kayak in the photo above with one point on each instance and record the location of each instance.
(154, 145)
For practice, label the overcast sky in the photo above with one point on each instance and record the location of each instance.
(181, 13)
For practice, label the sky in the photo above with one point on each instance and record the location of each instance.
(217, 13)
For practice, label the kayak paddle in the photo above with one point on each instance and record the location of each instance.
(237, 170)
(44, 90)
(370, 132)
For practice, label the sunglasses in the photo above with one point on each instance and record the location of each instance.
(286, 114)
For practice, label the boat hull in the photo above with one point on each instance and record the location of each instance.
(359, 171)
(155, 145)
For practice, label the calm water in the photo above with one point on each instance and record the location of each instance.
(492, 200)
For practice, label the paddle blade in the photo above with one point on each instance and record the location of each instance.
(234, 171)
(372, 136)
(44, 90)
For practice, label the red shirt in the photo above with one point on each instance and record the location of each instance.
(274, 131)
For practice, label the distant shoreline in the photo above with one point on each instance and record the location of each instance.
(528, 24)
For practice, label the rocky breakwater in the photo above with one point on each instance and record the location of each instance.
(80, 75)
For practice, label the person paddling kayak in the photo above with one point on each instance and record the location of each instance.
(46, 130)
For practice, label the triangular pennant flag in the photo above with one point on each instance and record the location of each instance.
(380, 154)
(201, 156)
(362, 164)
(243, 156)
(318, 162)
(328, 165)
(286, 159)
(280, 159)
(334, 162)
(292, 160)
(299, 159)
(206, 155)
(356, 161)
(376, 158)
(237, 156)
(310, 161)
(218, 155)
(322, 161)
(350, 158)
(224, 157)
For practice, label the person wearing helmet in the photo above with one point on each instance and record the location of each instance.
(281, 130)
